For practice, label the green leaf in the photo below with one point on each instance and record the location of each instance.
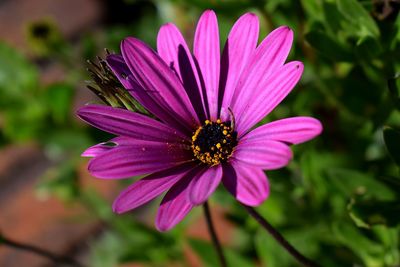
(328, 47)
(18, 77)
(358, 17)
(207, 253)
(106, 251)
(61, 181)
(352, 237)
(313, 9)
(61, 142)
(314, 166)
(392, 141)
(333, 18)
(304, 238)
(270, 252)
(58, 98)
(25, 122)
(389, 237)
(366, 213)
(396, 38)
(368, 49)
(352, 182)
(393, 87)
(392, 182)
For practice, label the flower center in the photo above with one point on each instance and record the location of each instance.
(213, 142)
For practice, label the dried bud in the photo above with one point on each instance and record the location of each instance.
(109, 89)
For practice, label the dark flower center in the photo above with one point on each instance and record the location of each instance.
(41, 30)
(213, 142)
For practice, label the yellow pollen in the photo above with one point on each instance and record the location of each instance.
(213, 142)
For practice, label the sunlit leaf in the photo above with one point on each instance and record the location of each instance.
(356, 15)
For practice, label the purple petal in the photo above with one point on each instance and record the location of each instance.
(290, 130)
(204, 184)
(144, 97)
(276, 88)
(101, 148)
(127, 123)
(121, 70)
(169, 39)
(207, 53)
(151, 73)
(96, 150)
(149, 187)
(172, 48)
(239, 47)
(138, 158)
(247, 184)
(269, 56)
(265, 154)
(175, 205)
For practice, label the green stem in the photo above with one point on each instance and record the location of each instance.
(281, 240)
(213, 234)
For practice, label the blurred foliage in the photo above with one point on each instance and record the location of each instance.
(338, 201)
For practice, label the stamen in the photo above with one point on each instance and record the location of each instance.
(213, 142)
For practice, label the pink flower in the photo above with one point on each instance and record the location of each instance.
(205, 105)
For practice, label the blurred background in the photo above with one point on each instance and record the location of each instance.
(337, 202)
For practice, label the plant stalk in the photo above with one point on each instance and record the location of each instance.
(213, 234)
(281, 240)
(57, 259)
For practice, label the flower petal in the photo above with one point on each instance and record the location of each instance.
(172, 48)
(239, 47)
(149, 187)
(265, 154)
(127, 123)
(269, 56)
(101, 148)
(137, 158)
(144, 97)
(120, 69)
(276, 88)
(290, 130)
(207, 53)
(151, 73)
(249, 185)
(96, 150)
(204, 184)
(175, 205)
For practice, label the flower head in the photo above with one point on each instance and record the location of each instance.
(205, 106)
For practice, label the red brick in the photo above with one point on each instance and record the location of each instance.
(72, 16)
